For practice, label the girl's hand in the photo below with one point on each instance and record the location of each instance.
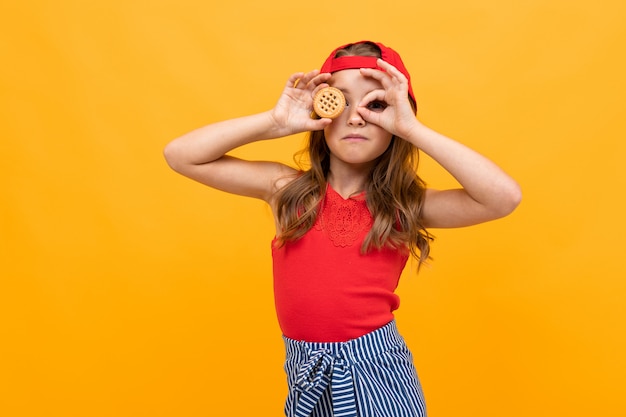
(396, 116)
(292, 113)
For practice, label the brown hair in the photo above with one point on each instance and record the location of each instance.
(394, 192)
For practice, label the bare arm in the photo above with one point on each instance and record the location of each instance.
(487, 192)
(201, 154)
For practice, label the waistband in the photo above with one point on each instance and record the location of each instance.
(367, 346)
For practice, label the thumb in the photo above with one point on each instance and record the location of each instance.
(368, 115)
(318, 124)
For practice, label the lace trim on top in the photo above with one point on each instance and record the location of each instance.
(343, 221)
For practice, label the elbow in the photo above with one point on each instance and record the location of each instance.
(510, 198)
(171, 153)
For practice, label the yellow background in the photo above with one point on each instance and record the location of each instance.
(127, 290)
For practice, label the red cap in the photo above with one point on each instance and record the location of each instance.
(333, 64)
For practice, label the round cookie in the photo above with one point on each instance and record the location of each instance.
(329, 102)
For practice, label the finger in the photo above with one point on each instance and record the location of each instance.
(389, 75)
(306, 78)
(312, 78)
(376, 74)
(378, 94)
(393, 71)
(385, 79)
(294, 79)
(319, 87)
(317, 80)
(369, 116)
(302, 79)
(318, 124)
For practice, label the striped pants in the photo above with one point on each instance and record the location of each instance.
(371, 376)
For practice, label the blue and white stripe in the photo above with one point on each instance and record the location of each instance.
(371, 376)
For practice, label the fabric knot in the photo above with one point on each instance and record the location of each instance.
(321, 370)
(313, 372)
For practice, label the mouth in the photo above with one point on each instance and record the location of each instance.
(354, 137)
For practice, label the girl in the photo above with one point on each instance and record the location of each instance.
(346, 227)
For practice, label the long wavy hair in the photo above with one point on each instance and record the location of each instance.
(394, 192)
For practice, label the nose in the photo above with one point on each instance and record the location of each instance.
(354, 118)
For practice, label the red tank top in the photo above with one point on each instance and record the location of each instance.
(327, 291)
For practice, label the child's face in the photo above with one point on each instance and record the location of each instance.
(350, 138)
